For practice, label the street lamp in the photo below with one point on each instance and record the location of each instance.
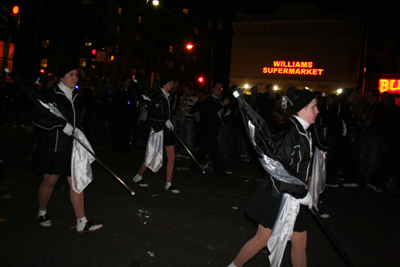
(190, 47)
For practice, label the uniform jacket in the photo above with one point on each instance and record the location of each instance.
(52, 137)
(159, 113)
(293, 146)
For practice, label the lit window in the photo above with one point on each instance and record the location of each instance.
(119, 10)
(93, 63)
(88, 43)
(43, 62)
(171, 49)
(46, 43)
(82, 62)
(137, 36)
(183, 67)
(186, 11)
(118, 29)
(140, 19)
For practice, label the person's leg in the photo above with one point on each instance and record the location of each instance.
(364, 156)
(46, 189)
(253, 246)
(77, 201)
(142, 169)
(189, 136)
(375, 143)
(182, 136)
(214, 152)
(138, 177)
(170, 150)
(223, 140)
(203, 150)
(299, 245)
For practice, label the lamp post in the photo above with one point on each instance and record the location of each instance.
(190, 47)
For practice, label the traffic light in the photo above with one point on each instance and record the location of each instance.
(13, 20)
(15, 10)
(201, 80)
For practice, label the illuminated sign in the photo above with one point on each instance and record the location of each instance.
(293, 68)
(389, 85)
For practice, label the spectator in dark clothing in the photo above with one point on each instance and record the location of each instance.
(90, 116)
(266, 107)
(211, 113)
(342, 130)
(388, 164)
(123, 105)
(374, 126)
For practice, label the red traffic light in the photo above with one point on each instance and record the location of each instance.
(42, 71)
(15, 10)
(94, 52)
(200, 79)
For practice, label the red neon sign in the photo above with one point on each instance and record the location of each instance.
(389, 85)
(293, 68)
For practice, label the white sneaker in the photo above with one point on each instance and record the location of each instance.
(139, 180)
(44, 220)
(88, 227)
(172, 189)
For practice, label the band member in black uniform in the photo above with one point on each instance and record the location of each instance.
(160, 119)
(294, 146)
(52, 156)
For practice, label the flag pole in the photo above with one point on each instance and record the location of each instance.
(330, 237)
(148, 100)
(188, 151)
(104, 166)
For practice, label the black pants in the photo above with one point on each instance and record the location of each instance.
(210, 146)
(342, 156)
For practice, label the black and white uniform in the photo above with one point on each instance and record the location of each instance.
(294, 150)
(159, 115)
(53, 152)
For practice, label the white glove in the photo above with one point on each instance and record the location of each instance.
(68, 129)
(169, 125)
(307, 200)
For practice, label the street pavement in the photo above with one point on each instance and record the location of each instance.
(203, 226)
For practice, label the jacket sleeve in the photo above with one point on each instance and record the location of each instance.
(46, 120)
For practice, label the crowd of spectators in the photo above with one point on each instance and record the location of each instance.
(360, 128)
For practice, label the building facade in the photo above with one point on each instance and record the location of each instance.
(297, 45)
(119, 38)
